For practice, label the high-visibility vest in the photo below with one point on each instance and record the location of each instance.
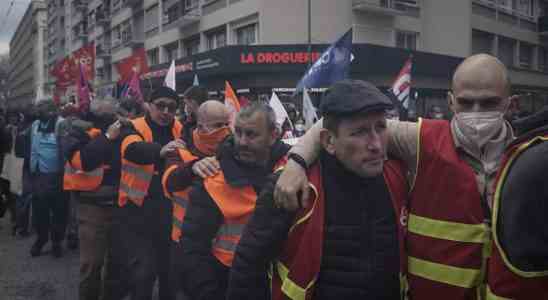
(75, 178)
(504, 279)
(180, 199)
(236, 204)
(294, 273)
(135, 178)
(447, 236)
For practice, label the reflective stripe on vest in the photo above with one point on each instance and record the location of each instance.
(447, 238)
(135, 178)
(132, 193)
(137, 172)
(228, 230)
(75, 178)
(291, 289)
(458, 232)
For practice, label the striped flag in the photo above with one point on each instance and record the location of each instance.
(402, 86)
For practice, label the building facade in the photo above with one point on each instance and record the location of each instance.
(195, 32)
(27, 68)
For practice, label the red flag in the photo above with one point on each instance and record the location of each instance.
(136, 63)
(84, 97)
(84, 57)
(231, 102)
(402, 85)
(134, 88)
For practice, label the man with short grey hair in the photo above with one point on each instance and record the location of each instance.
(221, 205)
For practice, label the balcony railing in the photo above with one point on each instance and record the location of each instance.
(80, 4)
(191, 16)
(102, 18)
(383, 7)
(132, 3)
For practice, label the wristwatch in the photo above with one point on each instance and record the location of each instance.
(298, 159)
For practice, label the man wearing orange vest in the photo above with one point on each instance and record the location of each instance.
(92, 175)
(221, 206)
(518, 266)
(145, 214)
(197, 161)
(346, 243)
(452, 169)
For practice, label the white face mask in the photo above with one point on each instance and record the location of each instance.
(480, 127)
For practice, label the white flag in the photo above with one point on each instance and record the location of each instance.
(169, 81)
(309, 111)
(196, 81)
(279, 110)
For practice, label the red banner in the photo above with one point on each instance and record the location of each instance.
(136, 63)
(67, 71)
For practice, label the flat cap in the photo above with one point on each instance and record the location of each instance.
(350, 96)
(164, 92)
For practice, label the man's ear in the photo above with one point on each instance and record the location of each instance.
(327, 139)
(451, 102)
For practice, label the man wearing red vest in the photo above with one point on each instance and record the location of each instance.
(221, 205)
(344, 244)
(452, 168)
(518, 266)
(197, 161)
(145, 214)
(92, 174)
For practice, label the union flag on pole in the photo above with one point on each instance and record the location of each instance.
(136, 63)
(401, 88)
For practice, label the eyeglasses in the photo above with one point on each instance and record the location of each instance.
(161, 106)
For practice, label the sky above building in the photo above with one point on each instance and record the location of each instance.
(11, 12)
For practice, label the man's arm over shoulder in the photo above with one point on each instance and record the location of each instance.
(403, 139)
(198, 266)
(138, 151)
(261, 242)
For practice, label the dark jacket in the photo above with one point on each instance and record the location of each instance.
(204, 276)
(521, 228)
(360, 255)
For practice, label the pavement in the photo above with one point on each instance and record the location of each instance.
(23, 277)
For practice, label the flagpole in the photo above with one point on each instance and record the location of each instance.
(309, 33)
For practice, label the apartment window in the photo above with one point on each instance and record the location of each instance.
(525, 55)
(407, 40)
(482, 42)
(505, 4)
(191, 4)
(506, 51)
(216, 39)
(191, 46)
(153, 57)
(116, 5)
(116, 36)
(542, 59)
(125, 30)
(246, 35)
(151, 18)
(525, 7)
(171, 13)
(171, 51)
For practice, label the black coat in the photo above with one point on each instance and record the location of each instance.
(204, 277)
(360, 256)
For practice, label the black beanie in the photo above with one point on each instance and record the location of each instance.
(164, 92)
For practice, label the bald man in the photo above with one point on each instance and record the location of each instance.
(452, 166)
(197, 161)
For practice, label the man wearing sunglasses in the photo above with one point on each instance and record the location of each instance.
(145, 213)
(452, 167)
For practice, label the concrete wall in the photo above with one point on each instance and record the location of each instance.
(286, 21)
(446, 27)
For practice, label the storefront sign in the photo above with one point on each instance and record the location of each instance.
(278, 57)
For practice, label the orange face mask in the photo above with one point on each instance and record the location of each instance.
(207, 143)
